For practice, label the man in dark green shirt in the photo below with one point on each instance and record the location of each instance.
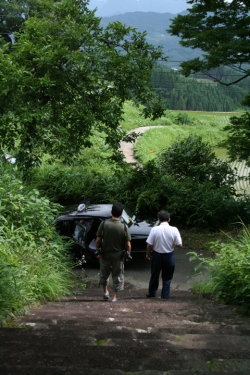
(114, 237)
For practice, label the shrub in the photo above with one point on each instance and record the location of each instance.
(229, 270)
(194, 159)
(68, 185)
(182, 118)
(34, 261)
(31, 272)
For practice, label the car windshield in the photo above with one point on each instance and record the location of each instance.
(126, 218)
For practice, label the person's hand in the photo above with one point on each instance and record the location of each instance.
(148, 257)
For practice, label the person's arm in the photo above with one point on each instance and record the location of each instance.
(128, 246)
(177, 239)
(149, 249)
(98, 242)
(99, 236)
(180, 245)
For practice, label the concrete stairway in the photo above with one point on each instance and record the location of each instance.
(185, 335)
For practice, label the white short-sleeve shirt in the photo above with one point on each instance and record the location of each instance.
(163, 237)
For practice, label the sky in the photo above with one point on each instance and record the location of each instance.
(106, 8)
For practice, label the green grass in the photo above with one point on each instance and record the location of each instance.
(154, 141)
(229, 270)
(208, 125)
(133, 119)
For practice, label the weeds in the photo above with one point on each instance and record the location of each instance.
(34, 261)
(229, 270)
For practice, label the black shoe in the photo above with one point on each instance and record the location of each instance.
(150, 295)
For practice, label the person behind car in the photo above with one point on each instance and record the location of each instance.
(80, 232)
(113, 236)
(160, 243)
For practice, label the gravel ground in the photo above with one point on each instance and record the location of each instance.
(137, 271)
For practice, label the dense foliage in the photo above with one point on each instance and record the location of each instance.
(70, 185)
(220, 29)
(34, 262)
(238, 140)
(196, 93)
(228, 270)
(58, 85)
(179, 92)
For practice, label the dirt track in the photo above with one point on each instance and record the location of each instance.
(128, 148)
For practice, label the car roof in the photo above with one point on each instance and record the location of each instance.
(90, 211)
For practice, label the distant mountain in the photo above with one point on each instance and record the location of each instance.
(106, 8)
(156, 24)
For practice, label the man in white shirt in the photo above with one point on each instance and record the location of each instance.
(161, 242)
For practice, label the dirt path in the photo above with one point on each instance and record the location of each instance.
(84, 335)
(128, 148)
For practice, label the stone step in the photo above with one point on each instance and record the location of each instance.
(217, 367)
(180, 328)
(58, 370)
(126, 355)
(86, 335)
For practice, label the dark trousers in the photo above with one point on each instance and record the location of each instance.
(116, 268)
(164, 264)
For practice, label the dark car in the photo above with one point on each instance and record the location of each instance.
(81, 224)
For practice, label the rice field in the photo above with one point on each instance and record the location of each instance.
(242, 186)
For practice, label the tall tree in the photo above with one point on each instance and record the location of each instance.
(65, 75)
(13, 14)
(220, 28)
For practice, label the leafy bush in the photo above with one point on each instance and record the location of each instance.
(193, 158)
(87, 177)
(34, 261)
(71, 184)
(229, 270)
(30, 272)
(182, 118)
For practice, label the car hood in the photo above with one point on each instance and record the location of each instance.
(140, 229)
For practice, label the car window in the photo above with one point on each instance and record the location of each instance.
(65, 228)
(125, 218)
(80, 232)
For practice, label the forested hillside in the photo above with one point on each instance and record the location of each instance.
(180, 93)
(156, 24)
(197, 93)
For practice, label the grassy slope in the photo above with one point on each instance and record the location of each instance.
(208, 125)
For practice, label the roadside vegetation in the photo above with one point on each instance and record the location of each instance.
(34, 262)
(228, 278)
